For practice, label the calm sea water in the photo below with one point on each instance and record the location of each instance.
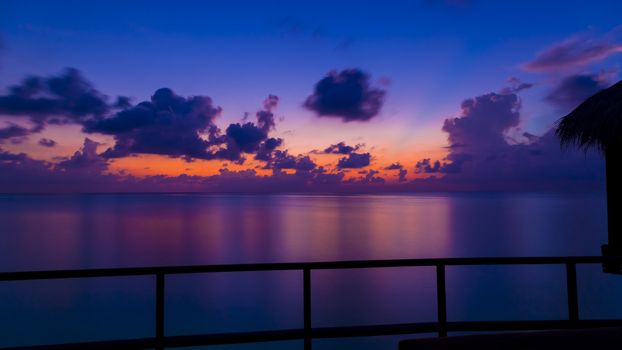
(91, 231)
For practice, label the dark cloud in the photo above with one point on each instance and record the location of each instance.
(267, 147)
(123, 102)
(401, 176)
(58, 99)
(341, 148)
(47, 142)
(573, 90)
(574, 52)
(249, 137)
(13, 131)
(168, 124)
(426, 166)
(481, 158)
(479, 130)
(283, 160)
(394, 166)
(354, 161)
(82, 172)
(371, 178)
(265, 118)
(515, 85)
(86, 159)
(246, 137)
(450, 165)
(11, 157)
(482, 125)
(347, 95)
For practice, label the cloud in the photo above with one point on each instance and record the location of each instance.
(283, 160)
(401, 176)
(265, 118)
(246, 137)
(47, 142)
(168, 124)
(341, 148)
(482, 123)
(11, 157)
(347, 95)
(354, 161)
(574, 52)
(394, 166)
(425, 166)
(86, 159)
(249, 137)
(481, 158)
(13, 131)
(515, 85)
(371, 178)
(84, 171)
(267, 147)
(123, 102)
(479, 130)
(68, 97)
(574, 89)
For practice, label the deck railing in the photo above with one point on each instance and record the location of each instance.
(308, 332)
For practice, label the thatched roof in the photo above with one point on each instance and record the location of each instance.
(597, 122)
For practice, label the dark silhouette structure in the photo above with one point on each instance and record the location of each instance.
(597, 123)
(577, 339)
(309, 332)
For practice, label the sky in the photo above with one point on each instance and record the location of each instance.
(288, 96)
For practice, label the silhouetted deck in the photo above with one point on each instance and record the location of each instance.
(160, 340)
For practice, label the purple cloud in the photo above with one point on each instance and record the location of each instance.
(425, 166)
(401, 176)
(347, 95)
(13, 131)
(574, 89)
(68, 97)
(47, 142)
(482, 123)
(248, 137)
(481, 158)
(354, 161)
(283, 160)
(6, 157)
(168, 124)
(341, 148)
(267, 147)
(394, 166)
(371, 178)
(86, 159)
(574, 52)
(515, 85)
(265, 118)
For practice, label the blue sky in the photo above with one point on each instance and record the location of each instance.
(428, 56)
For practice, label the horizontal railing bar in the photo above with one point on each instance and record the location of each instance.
(331, 332)
(353, 264)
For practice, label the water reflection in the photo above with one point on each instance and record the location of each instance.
(56, 232)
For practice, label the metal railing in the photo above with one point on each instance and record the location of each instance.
(308, 332)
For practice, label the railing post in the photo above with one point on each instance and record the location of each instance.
(441, 300)
(573, 299)
(159, 329)
(307, 307)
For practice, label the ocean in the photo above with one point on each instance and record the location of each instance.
(49, 232)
